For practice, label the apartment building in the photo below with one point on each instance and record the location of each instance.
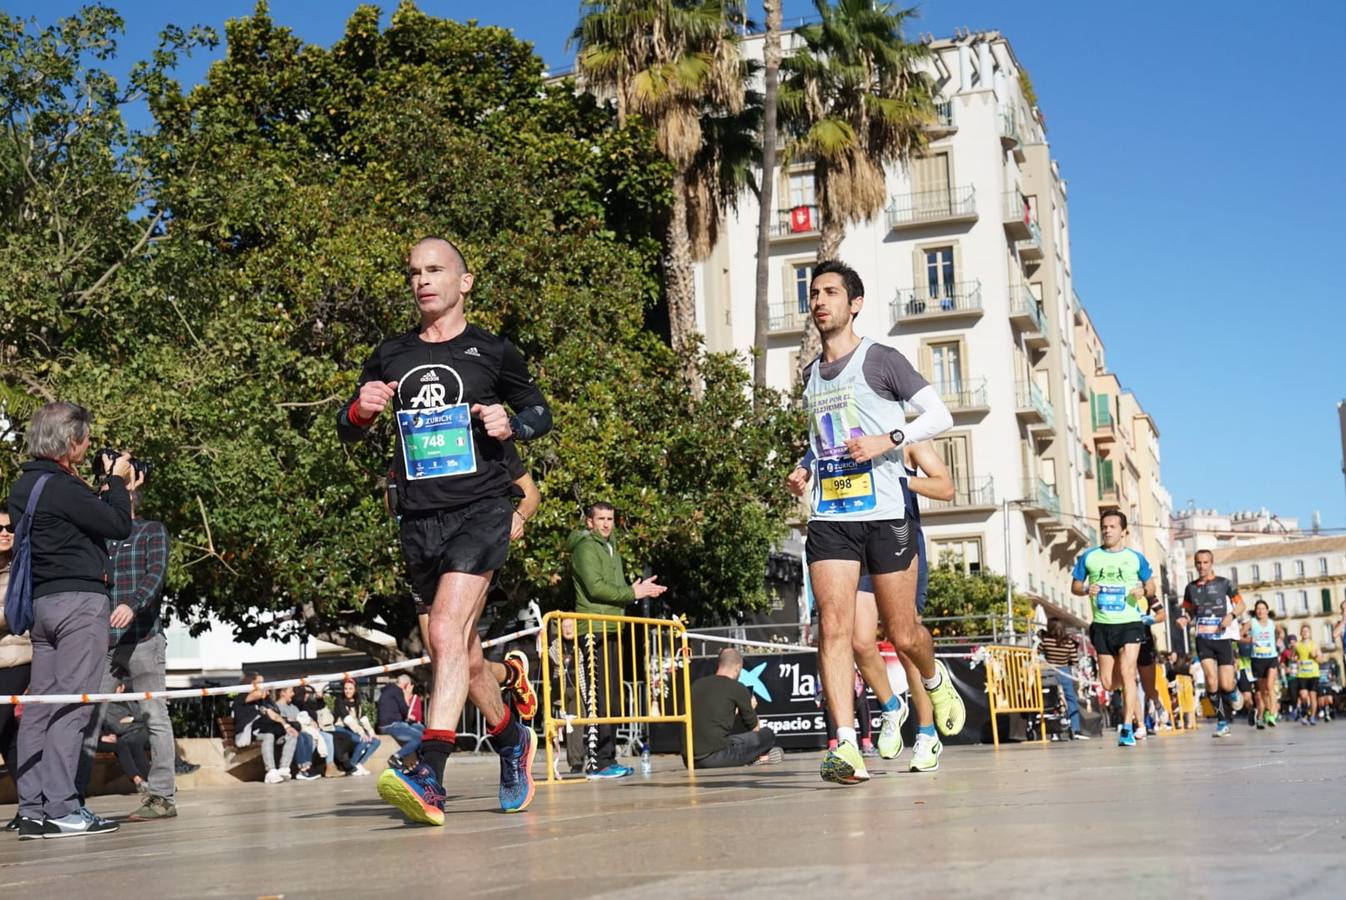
(1303, 580)
(968, 273)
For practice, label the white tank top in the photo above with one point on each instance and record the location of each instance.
(839, 409)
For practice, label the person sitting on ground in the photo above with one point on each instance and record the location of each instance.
(351, 723)
(394, 712)
(725, 728)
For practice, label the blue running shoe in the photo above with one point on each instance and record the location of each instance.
(1221, 730)
(612, 771)
(1126, 738)
(516, 771)
(417, 793)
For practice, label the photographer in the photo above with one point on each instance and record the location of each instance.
(136, 654)
(71, 607)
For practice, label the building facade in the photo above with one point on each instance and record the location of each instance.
(968, 272)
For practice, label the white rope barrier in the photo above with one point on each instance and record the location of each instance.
(230, 690)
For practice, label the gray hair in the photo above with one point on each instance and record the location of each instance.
(55, 427)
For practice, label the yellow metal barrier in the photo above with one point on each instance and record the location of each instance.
(1165, 698)
(1187, 701)
(1014, 684)
(579, 667)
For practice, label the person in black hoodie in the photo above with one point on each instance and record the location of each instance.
(71, 612)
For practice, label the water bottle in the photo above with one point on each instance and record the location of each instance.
(646, 767)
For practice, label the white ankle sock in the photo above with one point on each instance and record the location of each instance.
(845, 734)
(933, 681)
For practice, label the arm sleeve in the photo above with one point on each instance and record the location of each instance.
(532, 416)
(809, 459)
(892, 376)
(934, 418)
(105, 515)
(349, 430)
(745, 707)
(156, 567)
(589, 569)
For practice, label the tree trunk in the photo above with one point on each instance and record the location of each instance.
(680, 286)
(829, 243)
(766, 193)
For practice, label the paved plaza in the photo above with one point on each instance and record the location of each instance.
(1262, 813)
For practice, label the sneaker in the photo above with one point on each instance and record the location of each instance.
(520, 689)
(890, 734)
(1235, 701)
(154, 808)
(416, 794)
(1312, 720)
(1271, 720)
(1125, 738)
(772, 757)
(307, 775)
(143, 789)
(31, 829)
(396, 762)
(925, 753)
(274, 777)
(950, 714)
(1079, 736)
(1140, 733)
(1261, 725)
(608, 772)
(1221, 730)
(868, 751)
(359, 770)
(516, 771)
(81, 821)
(182, 767)
(14, 823)
(844, 765)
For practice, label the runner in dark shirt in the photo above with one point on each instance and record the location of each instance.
(1212, 601)
(447, 382)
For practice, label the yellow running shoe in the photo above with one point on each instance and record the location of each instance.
(925, 753)
(949, 711)
(890, 735)
(416, 793)
(844, 765)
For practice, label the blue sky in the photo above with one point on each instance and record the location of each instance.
(1201, 143)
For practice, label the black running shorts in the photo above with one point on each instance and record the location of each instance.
(1218, 649)
(1309, 684)
(1262, 666)
(1146, 657)
(881, 547)
(1109, 640)
(472, 539)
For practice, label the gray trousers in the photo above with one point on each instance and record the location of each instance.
(141, 667)
(740, 749)
(70, 633)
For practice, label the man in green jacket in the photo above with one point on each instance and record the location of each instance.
(601, 588)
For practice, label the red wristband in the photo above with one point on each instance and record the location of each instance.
(355, 419)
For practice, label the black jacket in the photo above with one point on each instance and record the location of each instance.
(70, 528)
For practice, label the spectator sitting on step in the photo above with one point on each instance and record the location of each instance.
(126, 732)
(339, 747)
(725, 728)
(308, 739)
(354, 726)
(257, 719)
(394, 713)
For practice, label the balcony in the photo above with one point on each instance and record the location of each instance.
(942, 205)
(1009, 128)
(1077, 308)
(796, 224)
(1081, 383)
(961, 299)
(1032, 407)
(1030, 248)
(1109, 494)
(960, 398)
(970, 495)
(1040, 500)
(1018, 216)
(1089, 465)
(943, 121)
(783, 318)
(1025, 314)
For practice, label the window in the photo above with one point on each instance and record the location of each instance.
(801, 189)
(939, 275)
(803, 277)
(946, 368)
(1302, 607)
(959, 553)
(1329, 639)
(1327, 600)
(1257, 573)
(1276, 571)
(954, 448)
(1299, 568)
(1280, 603)
(1322, 565)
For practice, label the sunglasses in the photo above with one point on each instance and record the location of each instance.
(6, 526)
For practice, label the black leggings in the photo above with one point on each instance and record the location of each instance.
(132, 749)
(13, 681)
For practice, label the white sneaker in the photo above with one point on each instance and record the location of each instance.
(1080, 736)
(1236, 701)
(273, 777)
(1140, 732)
(360, 770)
(284, 775)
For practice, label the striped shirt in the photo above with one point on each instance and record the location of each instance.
(139, 565)
(1060, 652)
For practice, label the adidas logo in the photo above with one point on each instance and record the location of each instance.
(429, 376)
(472, 351)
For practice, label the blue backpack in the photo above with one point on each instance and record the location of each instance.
(19, 597)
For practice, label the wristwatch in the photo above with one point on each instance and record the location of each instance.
(897, 437)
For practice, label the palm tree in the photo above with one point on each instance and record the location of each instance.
(669, 62)
(770, 78)
(854, 102)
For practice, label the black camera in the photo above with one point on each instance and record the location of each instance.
(104, 459)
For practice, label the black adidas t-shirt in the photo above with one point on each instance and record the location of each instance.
(474, 367)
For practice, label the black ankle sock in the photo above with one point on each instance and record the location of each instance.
(435, 754)
(504, 734)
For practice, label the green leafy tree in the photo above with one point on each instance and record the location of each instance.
(981, 597)
(293, 180)
(854, 102)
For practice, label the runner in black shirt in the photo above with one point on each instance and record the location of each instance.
(1216, 606)
(446, 381)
